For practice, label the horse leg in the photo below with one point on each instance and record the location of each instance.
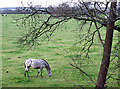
(27, 74)
(38, 73)
(27, 71)
(41, 71)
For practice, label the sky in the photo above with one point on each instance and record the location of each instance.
(44, 3)
(17, 3)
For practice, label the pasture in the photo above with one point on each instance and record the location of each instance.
(54, 52)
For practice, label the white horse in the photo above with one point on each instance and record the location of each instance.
(37, 64)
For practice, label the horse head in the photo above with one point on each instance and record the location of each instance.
(49, 72)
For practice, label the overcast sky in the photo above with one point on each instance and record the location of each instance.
(44, 3)
(17, 3)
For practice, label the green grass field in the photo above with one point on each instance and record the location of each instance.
(63, 75)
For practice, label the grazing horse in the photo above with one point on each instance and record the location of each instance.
(37, 64)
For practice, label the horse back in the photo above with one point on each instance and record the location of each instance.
(36, 64)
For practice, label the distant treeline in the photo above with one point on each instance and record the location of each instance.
(20, 10)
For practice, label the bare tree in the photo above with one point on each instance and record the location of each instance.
(92, 13)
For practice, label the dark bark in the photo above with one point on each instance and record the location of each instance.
(107, 50)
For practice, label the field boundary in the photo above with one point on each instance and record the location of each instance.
(119, 60)
(0, 51)
(55, 88)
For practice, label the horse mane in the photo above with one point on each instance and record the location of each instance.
(47, 66)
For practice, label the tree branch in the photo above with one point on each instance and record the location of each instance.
(99, 33)
(83, 73)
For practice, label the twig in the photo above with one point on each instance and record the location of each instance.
(83, 73)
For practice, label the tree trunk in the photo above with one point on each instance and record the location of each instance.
(106, 49)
